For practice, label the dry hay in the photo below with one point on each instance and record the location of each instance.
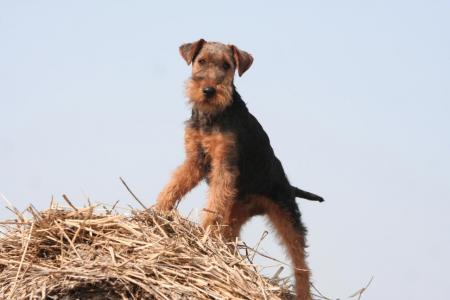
(84, 253)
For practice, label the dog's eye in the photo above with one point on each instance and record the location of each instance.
(201, 62)
(226, 66)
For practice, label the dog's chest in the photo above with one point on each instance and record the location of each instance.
(216, 149)
(217, 145)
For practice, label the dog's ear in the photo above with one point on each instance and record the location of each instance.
(190, 50)
(243, 59)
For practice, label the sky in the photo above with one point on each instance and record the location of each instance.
(355, 96)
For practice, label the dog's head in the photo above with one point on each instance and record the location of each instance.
(210, 88)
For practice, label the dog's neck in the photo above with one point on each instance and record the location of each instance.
(206, 120)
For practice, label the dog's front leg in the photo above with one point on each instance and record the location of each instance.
(221, 200)
(185, 177)
(222, 183)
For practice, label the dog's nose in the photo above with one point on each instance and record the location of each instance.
(209, 91)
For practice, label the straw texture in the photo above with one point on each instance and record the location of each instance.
(92, 253)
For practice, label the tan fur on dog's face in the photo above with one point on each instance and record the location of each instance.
(213, 66)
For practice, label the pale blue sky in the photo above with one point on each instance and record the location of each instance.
(355, 96)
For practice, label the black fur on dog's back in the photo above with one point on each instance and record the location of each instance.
(260, 171)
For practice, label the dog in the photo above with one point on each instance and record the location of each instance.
(227, 146)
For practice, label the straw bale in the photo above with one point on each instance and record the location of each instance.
(89, 253)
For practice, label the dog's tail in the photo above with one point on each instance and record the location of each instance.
(306, 195)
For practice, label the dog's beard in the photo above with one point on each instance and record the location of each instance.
(217, 103)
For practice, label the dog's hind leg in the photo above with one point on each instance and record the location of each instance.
(285, 218)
